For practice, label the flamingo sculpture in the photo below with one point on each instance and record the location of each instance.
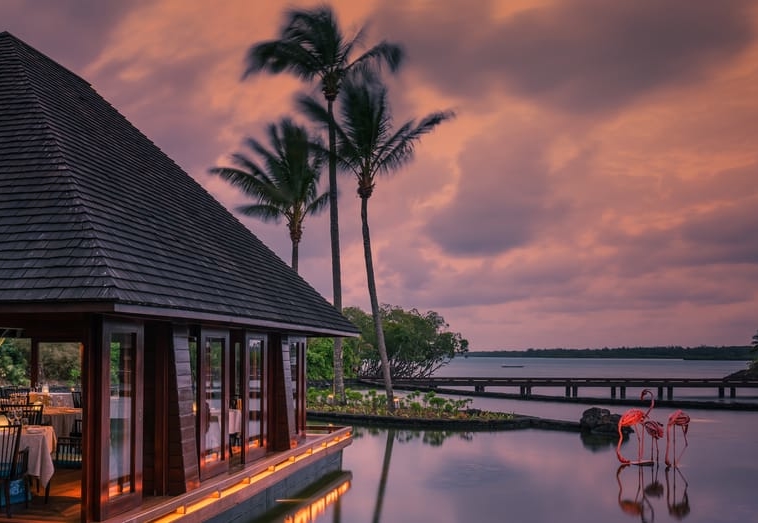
(676, 419)
(634, 418)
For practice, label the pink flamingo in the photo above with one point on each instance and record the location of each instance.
(676, 419)
(648, 392)
(634, 418)
(655, 430)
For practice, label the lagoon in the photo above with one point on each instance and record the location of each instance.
(551, 476)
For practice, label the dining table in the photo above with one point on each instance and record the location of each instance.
(61, 419)
(41, 441)
(52, 399)
(213, 433)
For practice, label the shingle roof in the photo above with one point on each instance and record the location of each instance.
(91, 211)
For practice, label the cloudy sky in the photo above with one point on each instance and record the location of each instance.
(598, 187)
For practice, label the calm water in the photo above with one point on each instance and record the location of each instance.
(549, 476)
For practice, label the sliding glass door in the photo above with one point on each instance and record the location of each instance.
(257, 384)
(211, 384)
(120, 419)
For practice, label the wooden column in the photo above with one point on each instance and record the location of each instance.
(283, 432)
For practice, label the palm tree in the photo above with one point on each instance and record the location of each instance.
(311, 45)
(367, 147)
(285, 185)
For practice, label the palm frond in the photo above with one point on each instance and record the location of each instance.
(263, 211)
(383, 53)
(318, 204)
(367, 145)
(286, 176)
(277, 56)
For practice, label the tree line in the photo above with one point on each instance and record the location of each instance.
(663, 352)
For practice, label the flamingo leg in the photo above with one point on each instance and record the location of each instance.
(684, 433)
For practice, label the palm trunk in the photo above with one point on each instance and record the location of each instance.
(339, 375)
(379, 332)
(295, 254)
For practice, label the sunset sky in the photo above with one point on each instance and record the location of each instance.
(598, 187)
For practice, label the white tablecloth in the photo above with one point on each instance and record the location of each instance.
(52, 399)
(41, 441)
(61, 418)
(213, 435)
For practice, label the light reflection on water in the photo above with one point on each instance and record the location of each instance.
(549, 476)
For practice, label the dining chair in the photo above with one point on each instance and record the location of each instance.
(76, 397)
(20, 395)
(33, 413)
(14, 465)
(68, 452)
(76, 430)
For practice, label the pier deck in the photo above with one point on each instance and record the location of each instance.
(617, 387)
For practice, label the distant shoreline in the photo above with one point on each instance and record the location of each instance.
(733, 353)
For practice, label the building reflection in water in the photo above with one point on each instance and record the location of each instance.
(308, 509)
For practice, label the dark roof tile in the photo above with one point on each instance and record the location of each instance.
(92, 210)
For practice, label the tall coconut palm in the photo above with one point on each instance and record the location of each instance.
(285, 184)
(311, 45)
(368, 147)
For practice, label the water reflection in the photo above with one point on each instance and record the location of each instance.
(639, 505)
(599, 442)
(646, 492)
(678, 508)
(413, 476)
(385, 472)
(313, 503)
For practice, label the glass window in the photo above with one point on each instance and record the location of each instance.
(121, 413)
(255, 395)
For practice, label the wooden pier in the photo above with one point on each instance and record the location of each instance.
(617, 387)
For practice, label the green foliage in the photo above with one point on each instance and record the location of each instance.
(373, 403)
(14, 361)
(417, 344)
(320, 359)
(60, 364)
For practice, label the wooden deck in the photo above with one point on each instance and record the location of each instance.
(213, 497)
(63, 505)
